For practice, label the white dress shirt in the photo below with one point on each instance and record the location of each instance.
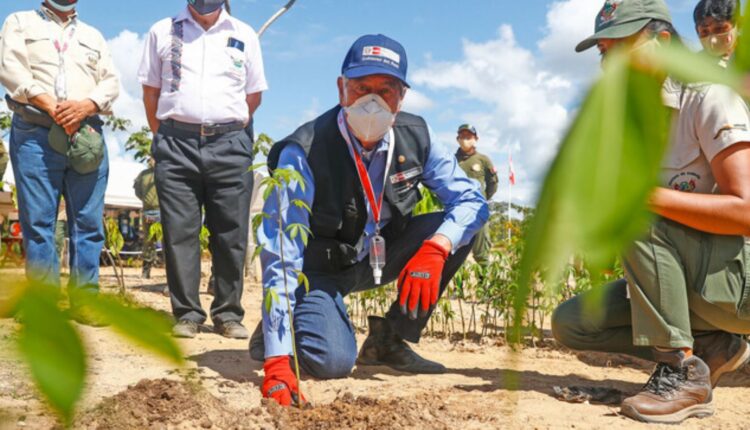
(204, 76)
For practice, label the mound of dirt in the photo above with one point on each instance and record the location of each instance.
(164, 403)
(364, 413)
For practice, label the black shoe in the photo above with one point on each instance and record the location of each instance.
(680, 388)
(146, 273)
(231, 329)
(257, 344)
(383, 347)
(723, 352)
(185, 329)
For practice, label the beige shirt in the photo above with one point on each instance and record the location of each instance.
(711, 119)
(29, 62)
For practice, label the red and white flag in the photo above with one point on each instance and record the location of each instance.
(512, 174)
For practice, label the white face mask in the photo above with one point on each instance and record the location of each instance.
(467, 144)
(369, 118)
(720, 45)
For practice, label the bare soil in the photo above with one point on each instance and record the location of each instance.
(487, 385)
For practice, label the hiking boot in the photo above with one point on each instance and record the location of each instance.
(185, 329)
(146, 273)
(231, 329)
(679, 388)
(84, 315)
(257, 344)
(723, 352)
(383, 347)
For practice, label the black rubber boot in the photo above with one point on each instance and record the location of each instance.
(383, 347)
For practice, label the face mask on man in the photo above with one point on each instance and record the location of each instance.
(369, 118)
(206, 7)
(62, 5)
(467, 144)
(720, 45)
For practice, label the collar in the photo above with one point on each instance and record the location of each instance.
(382, 146)
(462, 155)
(671, 93)
(47, 14)
(185, 15)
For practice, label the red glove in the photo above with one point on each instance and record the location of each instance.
(419, 282)
(280, 384)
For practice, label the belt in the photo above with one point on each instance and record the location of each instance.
(205, 129)
(30, 113)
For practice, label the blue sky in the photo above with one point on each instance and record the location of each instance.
(507, 66)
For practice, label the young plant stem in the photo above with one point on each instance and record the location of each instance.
(288, 302)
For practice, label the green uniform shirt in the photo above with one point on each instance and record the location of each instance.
(145, 189)
(478, 166)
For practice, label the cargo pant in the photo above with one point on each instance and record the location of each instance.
(678, 281)
(482, 246)
(148, 253)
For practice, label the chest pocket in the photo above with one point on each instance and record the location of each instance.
(235, 63)
(40, 46)
(88, 57)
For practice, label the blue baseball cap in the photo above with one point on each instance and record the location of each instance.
(375, 54)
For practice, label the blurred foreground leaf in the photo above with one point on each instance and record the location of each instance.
(52, 348)
(142, 326)
(594, 197)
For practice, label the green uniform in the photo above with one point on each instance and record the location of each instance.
(3, 160)
(145, 190)
(678, 280)
(479, 167)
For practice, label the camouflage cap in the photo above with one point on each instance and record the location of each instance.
(58, 140)
(468, 127)
(86, 150)
(622, 18)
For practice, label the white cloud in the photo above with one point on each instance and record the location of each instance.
(521, 98)
(126, 49)
(417, 102)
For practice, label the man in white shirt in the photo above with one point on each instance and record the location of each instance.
(202, 75)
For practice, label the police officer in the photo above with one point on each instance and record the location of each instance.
(59, 75)
(362, 162)
(145, 189)
(479, 167)
(202, 76)
(685, 294)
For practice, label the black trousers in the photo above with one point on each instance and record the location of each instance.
(204, 173)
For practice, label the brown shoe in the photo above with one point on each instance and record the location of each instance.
(723, 352)
(679, 388)
(231, 329)
(383, 347)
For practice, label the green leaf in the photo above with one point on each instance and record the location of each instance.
(691, 67)
(256, 166)
(271, 297)
(256, 253)
(302, 205)
(142, 326)
(53, 350)
(594, 197)
(302, 280)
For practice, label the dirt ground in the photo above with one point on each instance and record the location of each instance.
(218, 388)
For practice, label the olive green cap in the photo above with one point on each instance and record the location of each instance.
(86, 150)
(622, 18)
(58, 140)
(468, 127)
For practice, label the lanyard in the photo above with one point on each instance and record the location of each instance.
(364, 177)
(62, 46)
